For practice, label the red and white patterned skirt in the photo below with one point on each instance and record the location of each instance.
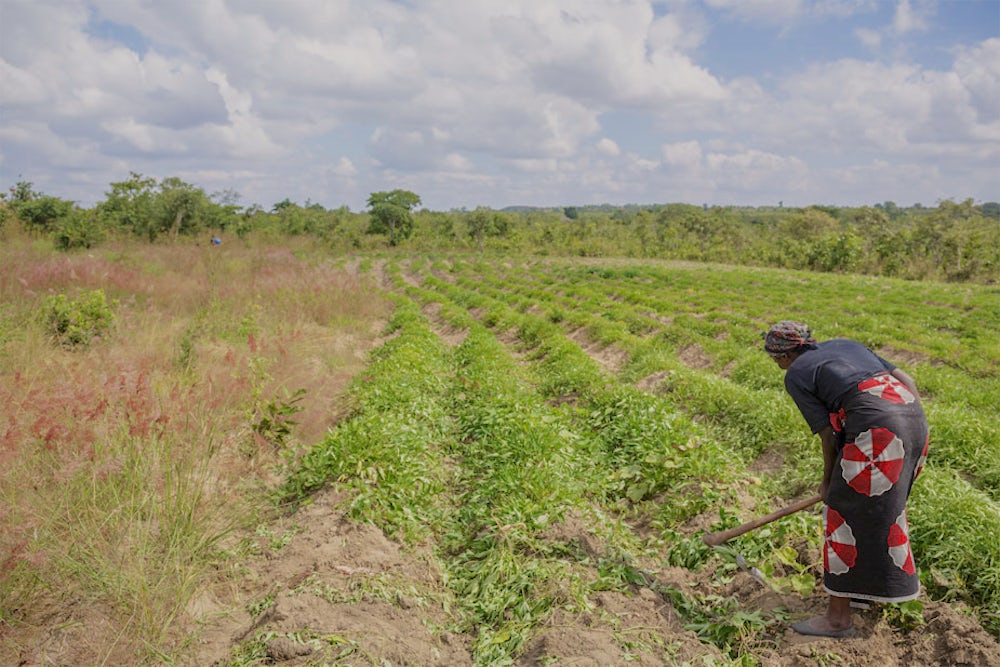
(884, 436)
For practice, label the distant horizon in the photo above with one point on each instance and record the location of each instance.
(553, 207)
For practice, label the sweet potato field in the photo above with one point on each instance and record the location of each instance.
(517, 394)
(519, 473)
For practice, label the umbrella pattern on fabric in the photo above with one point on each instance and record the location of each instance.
(872, 463)
(839, 552)
(887, 387)
(899, 545)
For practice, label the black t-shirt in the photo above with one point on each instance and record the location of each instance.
(821, 378)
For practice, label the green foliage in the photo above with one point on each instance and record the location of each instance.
(129, 205)
(485, 222)
(77, 322)
(836, 252)
(391, 214)
(274, 420)
(651, 448)
(906, 616)
(487, 448)
(179, 208)
(953, 533)
(737, 393)
(42, 213)
(389, 449)
(22, 191)
(151, 210)
(79, 229)
(721, 621)
(956, 241)
(36, 211)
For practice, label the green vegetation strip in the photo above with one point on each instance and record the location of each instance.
(392, 449)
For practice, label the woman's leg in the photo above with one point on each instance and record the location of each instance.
(835, 623)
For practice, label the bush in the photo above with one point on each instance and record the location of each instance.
(76, 322)
(5, 214)
(79, 229)
(42, 213)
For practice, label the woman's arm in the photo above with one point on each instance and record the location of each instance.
(829, 440)
(904, 377)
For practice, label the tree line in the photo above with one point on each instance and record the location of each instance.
(954, 241)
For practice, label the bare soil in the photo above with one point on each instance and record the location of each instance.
(610, 358)
(316, 600)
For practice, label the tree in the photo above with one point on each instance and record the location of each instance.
(149, 209)
(224, 210)
(391, 213)
(80, 229)
(129, 205)
(283, 205)
(23, 191)
(180, 207)
(484, 222)
(964, 241)
(34, 209)
(42, 213)
(990, 209)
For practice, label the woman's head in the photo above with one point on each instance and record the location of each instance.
(786, 340)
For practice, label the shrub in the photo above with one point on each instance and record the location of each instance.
(76, 322)
(78, 229)
(42, 212)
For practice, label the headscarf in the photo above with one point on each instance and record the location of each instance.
(786, 336)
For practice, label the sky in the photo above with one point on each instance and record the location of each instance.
(501, 103)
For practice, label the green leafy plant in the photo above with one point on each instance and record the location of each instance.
(78, 229)
(76, 322)
(906, 616)
(274, 422)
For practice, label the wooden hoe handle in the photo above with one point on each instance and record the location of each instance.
(717, 538)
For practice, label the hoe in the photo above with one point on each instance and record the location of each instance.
(717, 538)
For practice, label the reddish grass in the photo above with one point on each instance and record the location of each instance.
(203, 337)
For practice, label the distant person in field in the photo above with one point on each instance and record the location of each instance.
(868, 416)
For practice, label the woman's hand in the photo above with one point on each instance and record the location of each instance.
(824, 486)
(903, 377)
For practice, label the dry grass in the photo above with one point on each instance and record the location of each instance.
(124, 464)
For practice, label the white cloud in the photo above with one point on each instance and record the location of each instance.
(752, 169)
(456, 162)
(345, 168)
(870, 38)
(608, 147)
(978, 70)
(909, 18)
(685, 154)
(897, 108)
(243, 135)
